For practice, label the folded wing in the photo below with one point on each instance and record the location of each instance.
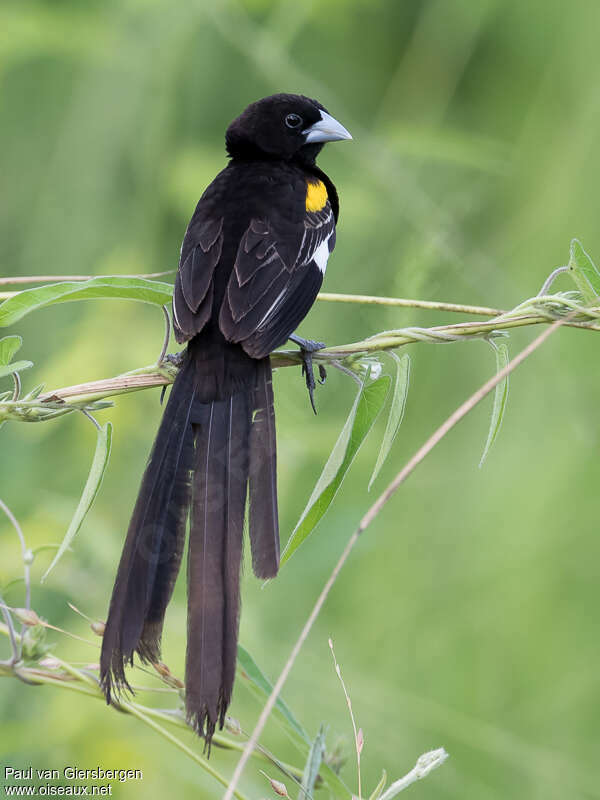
(277, 275)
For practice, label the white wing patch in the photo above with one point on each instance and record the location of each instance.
(321, 255)
(272, 309)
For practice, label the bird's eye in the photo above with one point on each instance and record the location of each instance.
(293, 121)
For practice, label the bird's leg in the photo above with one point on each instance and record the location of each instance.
(307, 348)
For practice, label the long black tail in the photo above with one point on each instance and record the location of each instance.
(206, 454)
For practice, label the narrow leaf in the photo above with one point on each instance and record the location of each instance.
(8, 347)
(396, 410)
(260, 681)
(16, 307)
(584, 272)
(379, 788)
(90, 491)
(16, 366)
(369, 402)
(313, 764)
(500, 398)
(35, 392)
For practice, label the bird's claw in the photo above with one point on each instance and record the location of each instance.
(176, 359)
(307, 348)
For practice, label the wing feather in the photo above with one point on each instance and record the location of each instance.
(193, 293)
(275, 279)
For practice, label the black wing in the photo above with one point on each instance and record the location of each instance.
(194, 286)
(277, 275)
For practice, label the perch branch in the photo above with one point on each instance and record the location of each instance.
(535, 311)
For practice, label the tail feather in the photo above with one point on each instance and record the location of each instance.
(212, 447)
(264, 524)
(215, 552)
(239, 450)
(154, 544)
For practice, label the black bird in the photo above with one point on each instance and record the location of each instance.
(251, 265)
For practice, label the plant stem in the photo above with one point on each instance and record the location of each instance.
(425, 764)
(10, 629)
(19, 279)
(151, 376)
(25, 556)
(367, 519)
(431, 305)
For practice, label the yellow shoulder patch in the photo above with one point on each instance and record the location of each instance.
(316, 195)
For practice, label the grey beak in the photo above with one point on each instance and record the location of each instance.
(327, 129)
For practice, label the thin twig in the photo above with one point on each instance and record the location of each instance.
(346, 371)
(551, 278)
(431, 442)
(18, 279)
(357, 731)
(91, 418)
(12, 635)
(25, 554)
(402, 302)
(163, 351)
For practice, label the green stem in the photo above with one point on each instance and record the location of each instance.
(402, 302)
(20, 279)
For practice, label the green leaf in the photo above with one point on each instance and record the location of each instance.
(584, 272)
(396, 411)
(8, 347)
(16, 366)
(500, 398)
(259, 680)
(146, 291)
(369, 402)
(379, 788)
(313, 764)
(90, 491)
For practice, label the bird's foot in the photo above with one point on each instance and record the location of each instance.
(307, 348)
(170, 361)
(176, 359)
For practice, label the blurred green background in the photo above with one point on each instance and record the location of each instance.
(468, 615)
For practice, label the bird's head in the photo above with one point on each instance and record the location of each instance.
(286, 126)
